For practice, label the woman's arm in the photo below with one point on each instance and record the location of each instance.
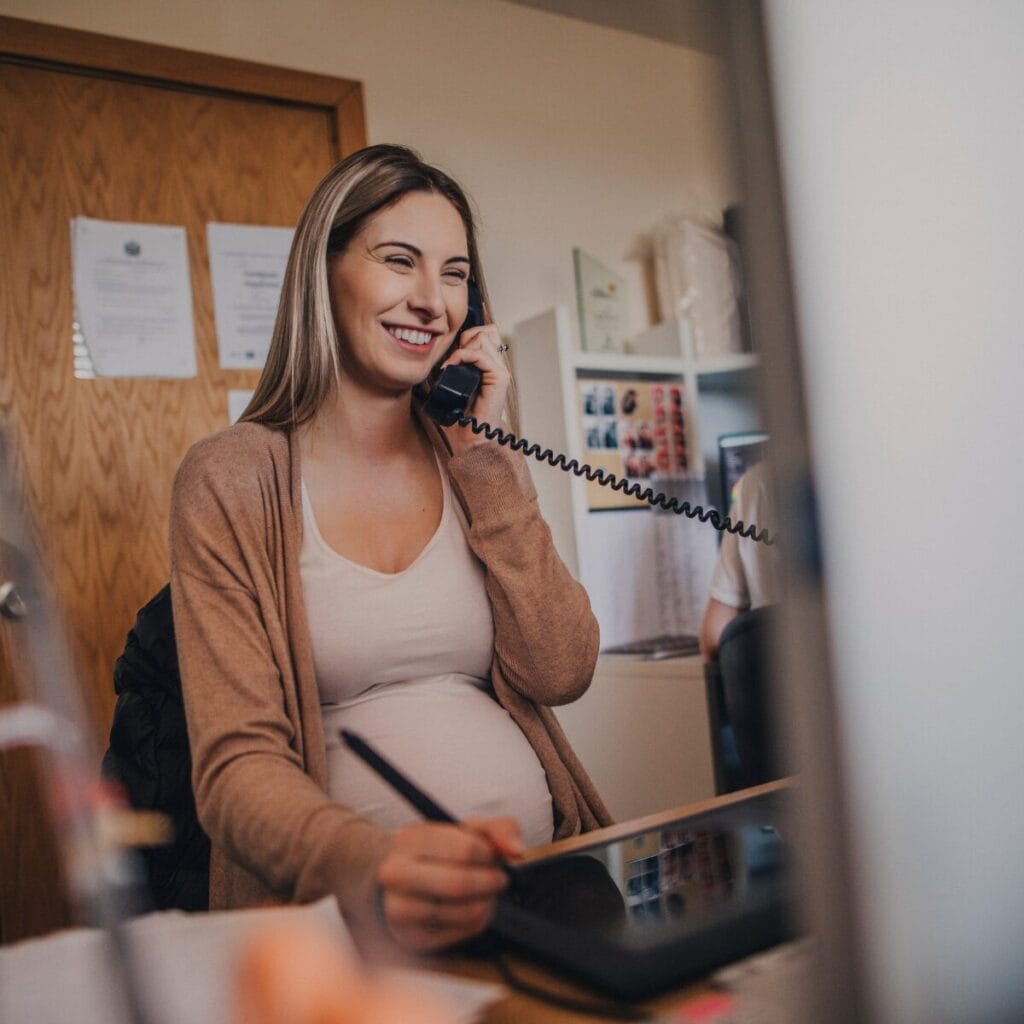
(436, 884)
(253, 796)
(717, 616)
(545, 634)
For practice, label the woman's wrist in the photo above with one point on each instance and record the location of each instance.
(464, 439)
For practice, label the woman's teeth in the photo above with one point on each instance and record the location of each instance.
(413, 337)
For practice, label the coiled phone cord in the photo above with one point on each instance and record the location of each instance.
(606, 479)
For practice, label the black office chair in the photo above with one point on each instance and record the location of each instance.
(741, 700)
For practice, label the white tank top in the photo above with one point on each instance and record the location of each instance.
(404, 660)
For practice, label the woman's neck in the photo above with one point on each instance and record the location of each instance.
(371, 427)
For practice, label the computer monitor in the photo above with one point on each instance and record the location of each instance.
(737, 452)
(884, 252)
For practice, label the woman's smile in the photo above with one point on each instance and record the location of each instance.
(412, 339)
(399, 290)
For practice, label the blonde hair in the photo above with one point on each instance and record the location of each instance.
(303, 363)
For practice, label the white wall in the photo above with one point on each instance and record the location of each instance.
(565, 133)
(903, 158)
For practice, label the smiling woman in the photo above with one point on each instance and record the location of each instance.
(338, 560)
(398, 290)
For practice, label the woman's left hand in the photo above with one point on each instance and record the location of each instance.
(481, 347)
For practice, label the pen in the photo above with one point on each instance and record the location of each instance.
(430, 810)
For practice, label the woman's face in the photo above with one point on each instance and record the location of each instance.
(398, 292)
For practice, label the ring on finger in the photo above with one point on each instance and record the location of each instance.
(503, 347)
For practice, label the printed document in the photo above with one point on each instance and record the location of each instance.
(133, 300)
(247, 265)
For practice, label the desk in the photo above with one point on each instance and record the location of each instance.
(522, 1009)
(188, 960)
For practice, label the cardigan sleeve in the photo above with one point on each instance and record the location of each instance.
(545, 635)
(253, 796)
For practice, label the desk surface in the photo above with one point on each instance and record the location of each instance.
(522, 1009)
(684, 667)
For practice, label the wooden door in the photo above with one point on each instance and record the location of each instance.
(116, 130)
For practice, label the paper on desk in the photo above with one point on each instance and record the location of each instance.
(186, 965)
(466, 1000)
(133, 300)
(773, 986)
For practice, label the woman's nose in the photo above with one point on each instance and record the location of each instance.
(426, 297)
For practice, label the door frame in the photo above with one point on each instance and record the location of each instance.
(54, 46)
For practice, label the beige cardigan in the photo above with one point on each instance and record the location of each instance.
(251, 699)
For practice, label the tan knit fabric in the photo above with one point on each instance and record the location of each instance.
(251, 698)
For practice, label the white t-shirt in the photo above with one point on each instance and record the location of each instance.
(404, 659)
(748, 573)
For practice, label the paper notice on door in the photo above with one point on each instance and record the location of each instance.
(247, 267)
(133, 300)
(238, 401)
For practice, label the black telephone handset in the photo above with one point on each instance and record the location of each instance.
(452, 396)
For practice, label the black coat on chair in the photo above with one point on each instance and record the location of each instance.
(149, 756)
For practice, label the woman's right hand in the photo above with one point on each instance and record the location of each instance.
(439, 882)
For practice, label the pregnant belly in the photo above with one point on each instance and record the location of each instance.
(454, 741)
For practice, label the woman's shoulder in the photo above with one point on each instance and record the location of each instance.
(238, 459)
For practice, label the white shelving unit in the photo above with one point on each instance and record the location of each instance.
(646, 572)
(642, 727)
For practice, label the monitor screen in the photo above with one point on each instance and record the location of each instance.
(736, 454)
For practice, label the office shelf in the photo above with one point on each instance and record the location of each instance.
(717, 398)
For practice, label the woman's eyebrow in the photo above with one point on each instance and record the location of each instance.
(418, 252)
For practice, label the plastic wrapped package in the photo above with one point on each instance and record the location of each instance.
(697, 276)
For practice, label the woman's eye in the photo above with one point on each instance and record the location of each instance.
(401, 261)
(456, 275)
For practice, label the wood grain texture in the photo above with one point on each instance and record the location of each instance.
(97, 457)
(76, 49)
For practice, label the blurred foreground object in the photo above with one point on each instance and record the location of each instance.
(188, 966)
(297, 973)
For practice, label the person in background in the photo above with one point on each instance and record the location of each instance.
(339, 560)
(747, 574)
